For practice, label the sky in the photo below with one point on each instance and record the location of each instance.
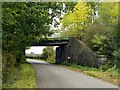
(36, 49)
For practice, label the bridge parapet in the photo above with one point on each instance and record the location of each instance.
(52, 42)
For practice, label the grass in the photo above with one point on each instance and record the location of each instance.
(25, 78)
(51, 61)
(110, 75)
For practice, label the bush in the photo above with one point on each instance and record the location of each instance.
(66, 63)
(8, 62)
(116, 54)
(48, 54)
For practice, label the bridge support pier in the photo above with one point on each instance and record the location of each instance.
(76, 52)
(59, 54)
(62, 53)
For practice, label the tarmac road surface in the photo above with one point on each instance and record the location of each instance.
(53, 76)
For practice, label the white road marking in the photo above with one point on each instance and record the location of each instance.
(74, 84)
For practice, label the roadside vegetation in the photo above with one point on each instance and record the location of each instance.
(24, 77)
(109, 75)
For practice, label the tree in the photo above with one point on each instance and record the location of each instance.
(108, 18)
(75, 22)
(48, 53)
(23, 23)
(103, 35)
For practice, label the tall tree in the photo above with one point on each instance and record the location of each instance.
(23, 23)
(74, 22)
(103, 35)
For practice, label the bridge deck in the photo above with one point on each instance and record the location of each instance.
(51, 42)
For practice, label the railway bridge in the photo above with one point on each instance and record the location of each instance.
(71, 50)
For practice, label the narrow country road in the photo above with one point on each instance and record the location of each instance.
(53, 76)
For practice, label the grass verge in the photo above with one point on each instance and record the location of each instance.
(110, 75)
(25, 78)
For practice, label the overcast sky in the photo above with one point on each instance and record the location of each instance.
(36, 49)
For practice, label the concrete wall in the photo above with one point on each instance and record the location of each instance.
(78, 53)
(59, 55)
(62, 52)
